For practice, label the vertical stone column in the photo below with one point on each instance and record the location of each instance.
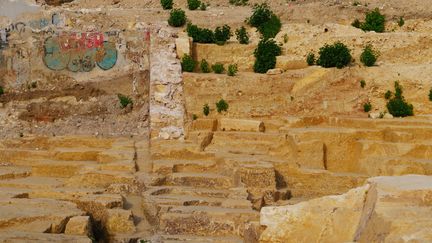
(167, 111)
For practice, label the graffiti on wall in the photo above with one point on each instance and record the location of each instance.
(79, 52)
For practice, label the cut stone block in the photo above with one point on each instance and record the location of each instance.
(228, 124)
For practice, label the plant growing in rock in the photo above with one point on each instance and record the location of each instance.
(265, 55)
(222, 34)
(369, 56)
(356, 23)
(430, 94)
(203, 6)
(375, 21)
(194, 117)
(166, 4)
(242, 35)
(285, 38)
(177, 18)
(267, 23)
(193, 4)
(397, 106)
(124, 100)
(388, 95)
(221, 105)
(232, 70)
(188, 63)
(310, 59)
(1, 90)
(218, 68)
(336, 55)
(205, 67)
(362, 83)
(206, 109)
(200, 35)
(367, 107)
(238, 2)
(401, 22)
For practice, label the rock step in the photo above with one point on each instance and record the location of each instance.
(16, 236)
(189, 200)
(207, 180)
(13, 172)
(179, 150)
(16, 155)
(391, 149)
(395, 166)
(172, 166)
(58, 168)
(33, 182)
(247, 136)
(200, 239)
(232, 193)
(206, 221)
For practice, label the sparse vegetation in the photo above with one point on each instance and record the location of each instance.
(222, 34)
(193, 4)
(124, 100)
(430, 94)
(356, 23)
(285, 38)
(362, 83)
(232, 70)
(356, 3)
(177, 18)
(166, 4)
(242, 35)
(401, 22)
(238, 2)
(188, 63)
(203, 6)
(310, 59)
(375, 21)
(206, 109)
(267, 23)
(194, 117)
(222, 105)
(205, 67)
(397, 106)
(369, 56)
(336, 55)
(200, 35)
(367, 107)
(265, 55)
(1, 90)
(218, 68)
(388, 95)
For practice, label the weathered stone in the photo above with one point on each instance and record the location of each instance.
(183, 46)
(227, 124)
(119, 221)
(275, 71)
(205, 124)
(79, 225)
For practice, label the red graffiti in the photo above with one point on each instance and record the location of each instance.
(80, 41)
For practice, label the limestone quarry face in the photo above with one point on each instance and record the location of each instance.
(103, 137)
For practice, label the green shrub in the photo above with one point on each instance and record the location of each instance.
(206, 109)
(218, 68)
(238, 2)
(265, 55)
(193, 4)
(397, 106)
(1, 90)
(203, 6)
(222, 34)
(388, 95)
(430, 94)
(232, 69)
(369, 56)
(194, 117)
(285, 38)
(205, 67)
(401, 22)
(267, 23)
(375, 21)
(124, 100)
(367, 107)
(242, 35)
(310, 59)
(177, 18)
(336, 55)
(221, 105)
(188, 63)
(200, 35)
(362, 83)
(356, 23)
(166, 4)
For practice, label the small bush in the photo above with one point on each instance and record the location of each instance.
(362, 83)
(369, 56)
(124, 100)
(1, 90)
(188, 64)
(310, 59)
(222, 34)
(267, 23)
(388, 95)
(167, 4)
(194, 117)
(193, 4)
(375, 21)
(367, 107)
(401, 22)
(205, 67)
(336, 55)
(218, 68)
(232, 69)
(203, 7)
(356, 23)
(397, 106)
(200, 35)
(430, 94)
(206, 109)
(177, 18)
(221, 105)
(285, 38)
(238, 2)
(265, 55)
(242, 35)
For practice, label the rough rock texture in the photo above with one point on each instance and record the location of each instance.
(79, 225)
(386, 209)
